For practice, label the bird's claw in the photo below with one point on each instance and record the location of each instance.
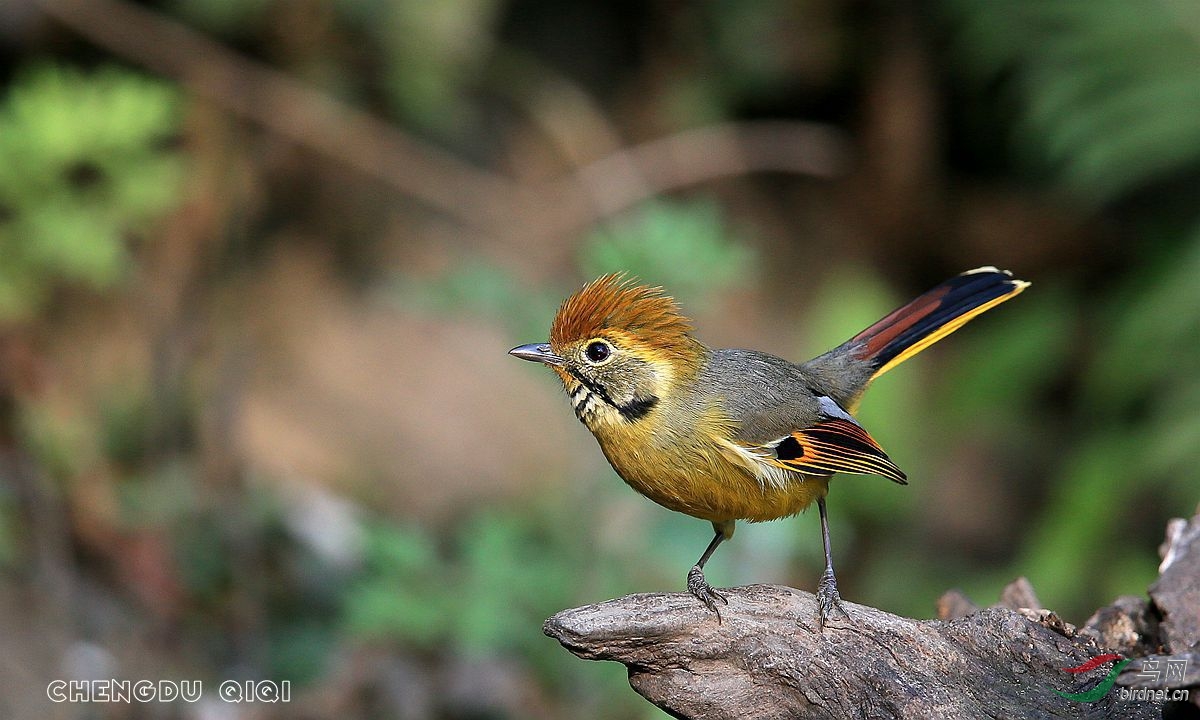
(699, 587)
(829, 599)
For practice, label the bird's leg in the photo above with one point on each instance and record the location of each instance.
(696, 584)
(828, 598)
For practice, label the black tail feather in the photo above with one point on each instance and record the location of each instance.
(933, 315)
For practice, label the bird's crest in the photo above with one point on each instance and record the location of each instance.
(616, 303)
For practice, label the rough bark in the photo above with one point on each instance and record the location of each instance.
(768, 659)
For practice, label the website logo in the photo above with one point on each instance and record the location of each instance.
(1155, 676)
(1105, 685)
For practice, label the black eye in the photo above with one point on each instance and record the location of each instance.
(598, 351)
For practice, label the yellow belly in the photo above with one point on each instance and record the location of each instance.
(701, 481)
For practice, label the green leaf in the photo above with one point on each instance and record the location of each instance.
(82, 169)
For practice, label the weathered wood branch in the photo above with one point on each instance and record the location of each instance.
(768, 659)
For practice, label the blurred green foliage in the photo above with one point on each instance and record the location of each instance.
(480, 290)
(402, 593)
(1141, 428)
(437, 51)
(83, 163)
(434, 51)
(686, 246)
(1108, 107)
(485, 590)
(498, 578)
(1107, 91)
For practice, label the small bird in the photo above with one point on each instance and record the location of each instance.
(728, 435)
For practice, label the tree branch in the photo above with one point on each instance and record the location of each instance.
(307, 116)
(767, 659)
(484, 201)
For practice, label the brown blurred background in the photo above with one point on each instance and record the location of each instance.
(261, 260)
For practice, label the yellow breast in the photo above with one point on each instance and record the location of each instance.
(693, 472)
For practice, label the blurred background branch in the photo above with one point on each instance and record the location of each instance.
(288, 107)
(475, 198)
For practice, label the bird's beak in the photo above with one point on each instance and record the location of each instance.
(536, 352)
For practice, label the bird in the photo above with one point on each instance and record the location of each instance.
(730, 434)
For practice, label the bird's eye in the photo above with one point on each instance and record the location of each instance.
(598, 351)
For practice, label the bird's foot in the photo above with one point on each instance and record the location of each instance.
(698, 586)
(829, 599)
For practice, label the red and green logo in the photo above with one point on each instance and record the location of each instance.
(1105, 685)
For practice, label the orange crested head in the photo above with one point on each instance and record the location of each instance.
(616, 305)
(619, 349)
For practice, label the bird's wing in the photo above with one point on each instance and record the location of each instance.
(788, 426)
(835, 443)
(832, 446)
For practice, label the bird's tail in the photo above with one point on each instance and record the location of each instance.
(912, 328)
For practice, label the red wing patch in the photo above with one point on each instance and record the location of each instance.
(836, 446)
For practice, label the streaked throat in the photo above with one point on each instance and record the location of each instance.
(595, 406)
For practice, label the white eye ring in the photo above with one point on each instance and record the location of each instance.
(598, 352)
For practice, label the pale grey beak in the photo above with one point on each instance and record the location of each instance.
(536, 352)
